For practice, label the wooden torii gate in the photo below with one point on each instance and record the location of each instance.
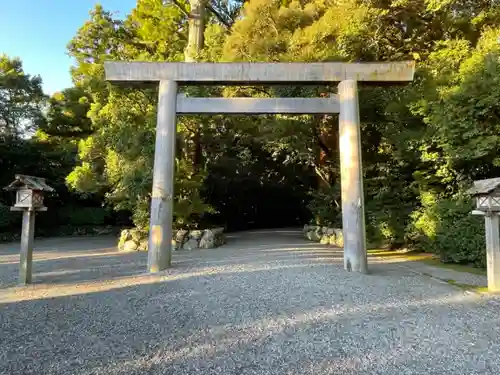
(170, 103)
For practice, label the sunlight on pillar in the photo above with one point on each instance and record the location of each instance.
(348, 156)
(156, 234)
(346, 147)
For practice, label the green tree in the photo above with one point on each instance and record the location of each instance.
(21, 99)
(426, 139)
(401, 153)
(464, 116)
(67, 114)
(117, 158)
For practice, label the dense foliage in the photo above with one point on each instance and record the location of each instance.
(26, 149)
(422, 144)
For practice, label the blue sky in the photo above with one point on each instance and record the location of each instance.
(38, 31)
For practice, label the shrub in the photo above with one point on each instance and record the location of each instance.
(325, 207)
(447, 228)
(10, 222)
(386, 215)
(386, 222)
(5, 216)
(462, 241)
(81, 216)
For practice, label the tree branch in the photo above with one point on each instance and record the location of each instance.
(261, 90)
(219, 16)
(322, 175)
(321, 144)
(324, 147)
(182, 8)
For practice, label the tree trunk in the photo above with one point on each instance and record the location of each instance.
(196, 30)
(328, 140)
(195, 45)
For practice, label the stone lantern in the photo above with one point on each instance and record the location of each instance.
(487, 194)
(29, 199)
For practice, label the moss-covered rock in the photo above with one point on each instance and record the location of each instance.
(324, 235)
(137, 239)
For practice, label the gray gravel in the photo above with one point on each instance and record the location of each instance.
(448, 274)
(266, 303)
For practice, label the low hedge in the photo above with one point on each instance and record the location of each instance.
(447, 228)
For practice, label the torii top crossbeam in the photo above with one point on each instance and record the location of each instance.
(254, 73)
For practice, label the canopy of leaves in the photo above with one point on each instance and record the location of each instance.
(67, 114)
(21, 99)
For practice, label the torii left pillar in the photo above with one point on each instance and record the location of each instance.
(162, 200)
(351, 177)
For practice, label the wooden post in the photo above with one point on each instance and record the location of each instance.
(353, 216)
(160, 234)
(491, 222)
(27, 239)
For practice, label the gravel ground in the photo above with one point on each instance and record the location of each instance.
(266, 303)
(448, 274)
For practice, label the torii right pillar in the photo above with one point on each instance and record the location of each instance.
(351, 171)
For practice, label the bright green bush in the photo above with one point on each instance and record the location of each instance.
(447, 228)
(462, 241)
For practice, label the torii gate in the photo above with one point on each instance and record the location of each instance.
(170, 75)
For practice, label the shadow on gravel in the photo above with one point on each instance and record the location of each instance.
(285, 319)
(65, 244)
(274, 306)
(66, 262)
(68, 269)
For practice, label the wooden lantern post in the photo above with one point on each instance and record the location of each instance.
(487, 194)
(29, 199)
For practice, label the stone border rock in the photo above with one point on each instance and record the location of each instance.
(324, 235)
(137, 240)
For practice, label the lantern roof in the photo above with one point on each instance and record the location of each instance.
(29, 182)
(482, 187)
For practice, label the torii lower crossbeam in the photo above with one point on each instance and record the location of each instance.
(170, 75)
(256, 106)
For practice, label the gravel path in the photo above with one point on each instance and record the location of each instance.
(448, 274)
(266, 303)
